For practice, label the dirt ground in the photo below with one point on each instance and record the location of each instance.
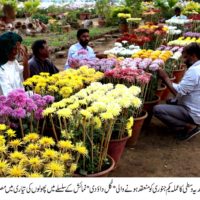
(157, 153)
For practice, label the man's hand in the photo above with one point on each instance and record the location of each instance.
(24, 54)
(162, 74)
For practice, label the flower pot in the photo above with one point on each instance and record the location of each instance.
(116, 148)
(123, 28)
(178, 74)
(160, 90)
(105, 172)
(148, 106)
(167, 92)
(136, 130)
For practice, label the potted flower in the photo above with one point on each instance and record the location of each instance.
(95, 111)
(34, 156)
(22, 112)
(128, 76)
(102, 8)
(123, 25)
(62, 85)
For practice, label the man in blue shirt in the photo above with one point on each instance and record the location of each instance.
(80, 50)
(185, 111)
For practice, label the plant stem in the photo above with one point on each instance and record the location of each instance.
(53, 127)
(31, 122)
(21, 127)
(43, 126)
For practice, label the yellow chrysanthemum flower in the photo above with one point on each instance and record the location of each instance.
(65, 157)
(32, 149)
(31, 137)
(17, 171)
(65, 91)
(60, 104)
(3, 127)
(65, 112)
(2, 140)
(129, 126)
(3, 149)
(11, 133)
(52, 88)
(65, 145)
(135, 90)
(45, 74)
(55, 169)
(49, 154)
(4, 167)
(46, 142)
(73, 168)
(136, 102)
(28, 83)
(35, 175)
(107, 115)
(97, 122)
(16, 156)
(86, 114)
(35, 163)
(15, 143)
(48, 111)
(80, 148)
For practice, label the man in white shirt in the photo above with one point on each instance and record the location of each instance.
(80, 50)
(185, 113)
(178, 15)
(12, 73)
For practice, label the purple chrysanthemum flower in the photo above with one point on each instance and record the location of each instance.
(38, 114)
(49, 99)
(30, 105)
(19, 113)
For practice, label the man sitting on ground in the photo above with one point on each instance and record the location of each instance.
(40, 61)
(183, 112)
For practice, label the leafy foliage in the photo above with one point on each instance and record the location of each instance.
(31, 6)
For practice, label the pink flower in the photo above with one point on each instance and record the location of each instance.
(153, 67)
(30, 105)
(144, 78)
(36, 97)
(19, 113)
(159, 62)
(38, 114)
(82, 52)
(48, 99)
(5, 110)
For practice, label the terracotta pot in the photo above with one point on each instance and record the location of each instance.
(148, 106)
(178, 75)
(104, 173)
(116, 148)
(167, 92)
(137, 127)
(123, 28)
(160, 90)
